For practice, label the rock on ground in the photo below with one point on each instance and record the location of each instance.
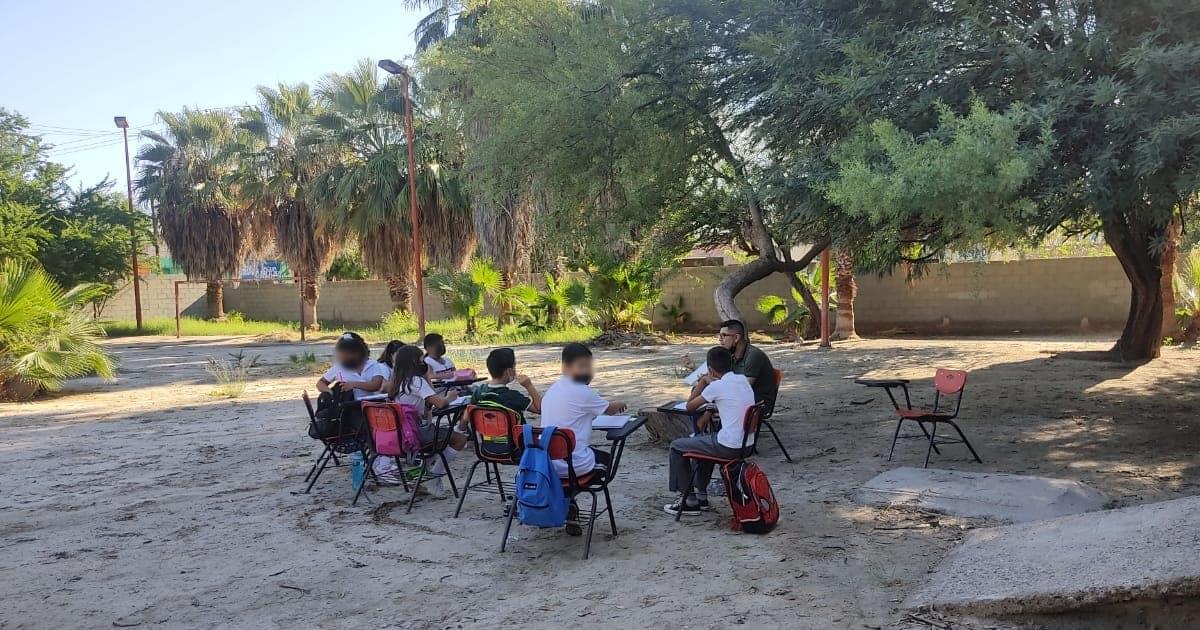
(1071, 563)
(997, 496)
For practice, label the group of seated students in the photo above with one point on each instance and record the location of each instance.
(737, 375)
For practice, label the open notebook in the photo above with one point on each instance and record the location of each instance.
(610, 422)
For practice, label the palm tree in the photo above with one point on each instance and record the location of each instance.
(366, 190)
(45, 335)
(187, 172)
(847, 289)
(277, 167)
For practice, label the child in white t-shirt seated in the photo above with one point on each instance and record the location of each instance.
(440, 365)
(410, 386)
(353, 369)
(571, 404)
(732, 395)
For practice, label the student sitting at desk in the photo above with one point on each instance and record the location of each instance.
(732, 395)
(748, 360)
(409, 386)
(353, 368)
(440, 365)
(507, 387)
(571, 404)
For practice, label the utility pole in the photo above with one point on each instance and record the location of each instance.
(396, 69)
(123, 124)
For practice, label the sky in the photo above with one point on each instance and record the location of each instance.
(70, 66)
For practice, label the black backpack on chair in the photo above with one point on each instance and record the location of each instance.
(337, 414)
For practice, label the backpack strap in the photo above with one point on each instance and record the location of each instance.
(547, 433)
(528, 435)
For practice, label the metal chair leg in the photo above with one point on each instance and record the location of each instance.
(317, 463)
(400, 471)
(965, 441)
(336, 461)
(499, 482)
(777, 440)
(895, 437)
(370, 464)
(932, 435)
(449, 475)
(922, 425)
(417, 485)
(463, 497)
(317, 476)
(587, 544)
(683, 503)
(512, 511)
(612, 520)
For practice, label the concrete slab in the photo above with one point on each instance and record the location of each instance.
(998, 496)
(1146, 552)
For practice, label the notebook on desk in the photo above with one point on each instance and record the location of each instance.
(610, 422)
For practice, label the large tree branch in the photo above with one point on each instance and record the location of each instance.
(756, 270)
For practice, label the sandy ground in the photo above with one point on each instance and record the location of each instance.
(149, 502)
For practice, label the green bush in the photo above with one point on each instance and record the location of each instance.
(45, 337)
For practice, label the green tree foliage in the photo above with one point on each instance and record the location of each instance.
(964, 179)
(702, 121)
(45, 337)
(190, 172)
(77, 236)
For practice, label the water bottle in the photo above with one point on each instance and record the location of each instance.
(358, 470)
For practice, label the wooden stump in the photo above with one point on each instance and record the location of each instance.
(664, 427)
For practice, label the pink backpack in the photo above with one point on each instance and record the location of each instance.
(395, 428)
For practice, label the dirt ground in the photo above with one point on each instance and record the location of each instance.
(149, 502)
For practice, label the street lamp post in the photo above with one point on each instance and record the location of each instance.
(391, 67)
(123, 124)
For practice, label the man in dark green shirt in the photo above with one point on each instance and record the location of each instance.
(748, 361)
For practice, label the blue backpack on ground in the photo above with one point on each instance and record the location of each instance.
(540, 498)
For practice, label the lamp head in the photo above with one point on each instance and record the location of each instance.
(391, 67)
(121, 121)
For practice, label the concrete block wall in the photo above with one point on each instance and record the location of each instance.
(158, 299)
(960, 298)
(348, 301)
(1029, 295)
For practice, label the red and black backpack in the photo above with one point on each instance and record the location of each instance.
(755, 510)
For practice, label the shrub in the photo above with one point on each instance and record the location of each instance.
(45, 337)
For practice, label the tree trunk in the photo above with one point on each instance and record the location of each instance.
(813, 329)
(399, 291)
(1166, 283)
(754, 271)
(311, 290)
(214, 293)
(501, 307)
(847, 289)
(1141, 338)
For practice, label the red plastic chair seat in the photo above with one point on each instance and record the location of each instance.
(923, 414)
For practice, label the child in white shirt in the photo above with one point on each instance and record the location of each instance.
(353, 369)
(732, 395)
(410, 386)
(440, 365)
(571, 404)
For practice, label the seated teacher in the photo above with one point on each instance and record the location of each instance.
(748, 361)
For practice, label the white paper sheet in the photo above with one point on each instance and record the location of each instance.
(610, 422)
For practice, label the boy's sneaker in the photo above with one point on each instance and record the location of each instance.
(573, 528)
(688, 510)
